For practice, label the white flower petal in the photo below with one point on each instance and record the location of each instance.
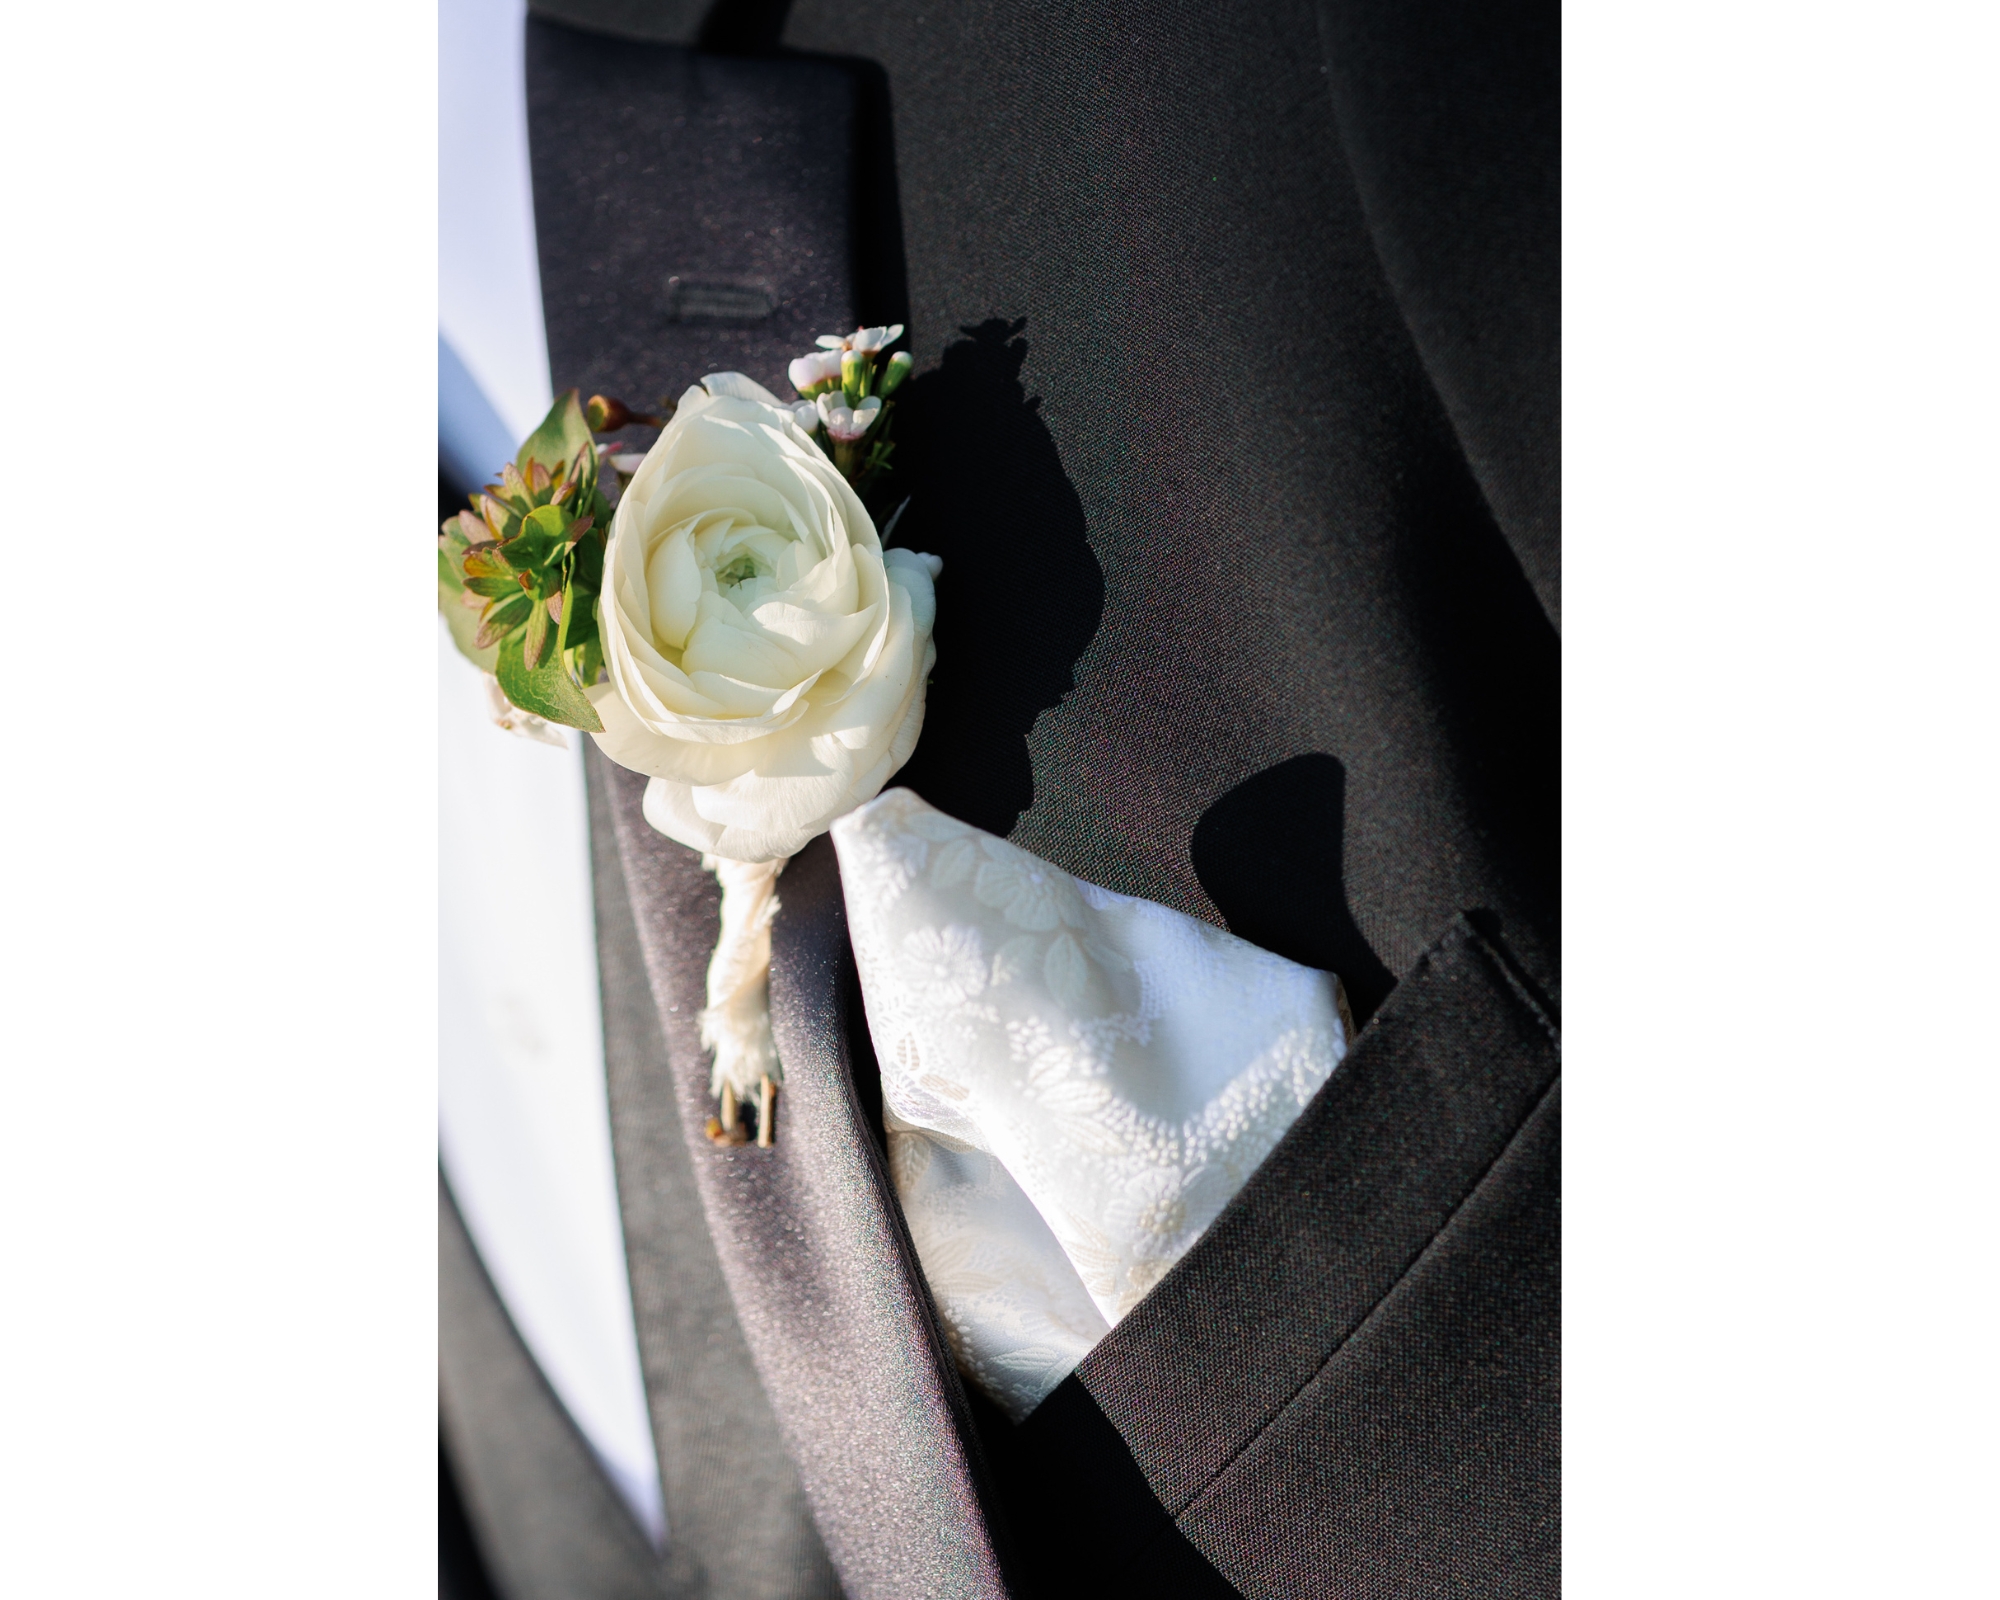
(734, 386)
(672, 588)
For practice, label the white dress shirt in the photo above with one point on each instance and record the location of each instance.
(523, 1123)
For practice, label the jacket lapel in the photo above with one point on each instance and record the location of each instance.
(737, 1519)
(809, 1239)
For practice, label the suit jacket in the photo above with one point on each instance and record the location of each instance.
(1235, 425)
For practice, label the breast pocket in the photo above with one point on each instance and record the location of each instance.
(1349, 1385)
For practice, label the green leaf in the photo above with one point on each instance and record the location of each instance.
(588, 567)
(448, 579)
(539, 637)
(541, 539)
(485, 561)
(523, 553)
(584, 476)
(503, 617)
(492, 588)
(579, 621)
(464, 624)
(566, 609)
(502, 520)
(564, 431)
(550, 523)
(547, 690)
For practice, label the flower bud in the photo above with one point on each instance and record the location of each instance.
(605, 414)
(815, 371)
(854, 374)
(894, 374)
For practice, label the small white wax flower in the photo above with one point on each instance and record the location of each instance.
(873, 339)
(845, 425)
(867, 340)
(816, 366)
(807, 414)
(629, 463)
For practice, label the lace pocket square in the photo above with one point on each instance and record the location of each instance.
(1074, 1082)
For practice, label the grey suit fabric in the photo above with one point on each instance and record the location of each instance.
(1238, 449)
(1201, 506)
(653, 21)
(462, 1571)
(547, 1519)
(699, 210)
(1450, 115)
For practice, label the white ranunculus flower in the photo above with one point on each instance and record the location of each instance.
(768, 659)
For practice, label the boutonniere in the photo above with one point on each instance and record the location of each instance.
(721, 615)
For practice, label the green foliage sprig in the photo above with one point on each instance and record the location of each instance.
(520, 573)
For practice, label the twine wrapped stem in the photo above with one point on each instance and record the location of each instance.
(736, 1022)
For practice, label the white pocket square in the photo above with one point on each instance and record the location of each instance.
(1075, 1082)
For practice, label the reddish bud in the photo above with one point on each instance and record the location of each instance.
(608, 415)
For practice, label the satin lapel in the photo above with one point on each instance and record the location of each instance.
(698, 213)
(738, 1521)
(811, 1243)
